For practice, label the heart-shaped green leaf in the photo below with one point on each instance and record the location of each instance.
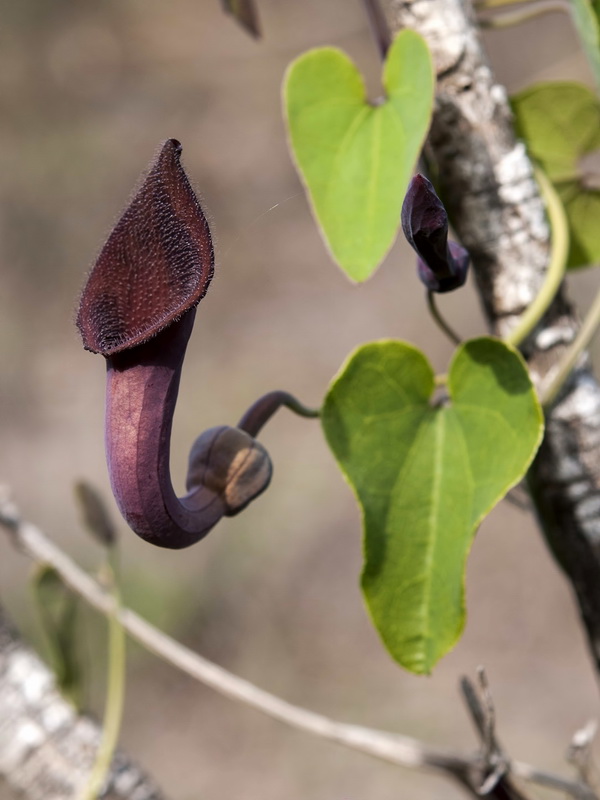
(356, 158)
(425, 475)
(561, 124)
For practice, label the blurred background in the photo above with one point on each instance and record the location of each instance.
(88, 91)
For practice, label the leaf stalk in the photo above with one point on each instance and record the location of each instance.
(115, 689)
(263, 409)
(439, 320)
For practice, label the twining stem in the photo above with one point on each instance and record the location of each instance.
(485, 4)
(569, 360)
(439, 320)
(263, 409)
(394, 748)
(115, 688)
(381, 30)
(556, 267)
(523, 15)
(572, 176)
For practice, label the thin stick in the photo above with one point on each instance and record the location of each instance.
(439, 320)
(394, 748)
(379, 26)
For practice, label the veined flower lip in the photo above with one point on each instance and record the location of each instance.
(156, 264)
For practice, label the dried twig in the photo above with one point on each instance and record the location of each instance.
(495, 766)
(394, 748)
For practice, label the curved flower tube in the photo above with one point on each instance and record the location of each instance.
(137, 309)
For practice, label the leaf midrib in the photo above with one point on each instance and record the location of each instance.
(439, 436)
(344, 144)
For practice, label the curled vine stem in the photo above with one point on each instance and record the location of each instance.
(556, 266)
(531, 11)
(485, 4)
(569, 360)
(263, 409)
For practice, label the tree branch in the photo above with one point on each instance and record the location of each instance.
(487, 183)
(46, 750)
(394, 748)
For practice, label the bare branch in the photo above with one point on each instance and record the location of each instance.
(394, 748)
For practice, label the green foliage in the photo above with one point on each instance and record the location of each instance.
(585, 19)
(356, 158)
(425, 474)
(561, 124)
(57, 608)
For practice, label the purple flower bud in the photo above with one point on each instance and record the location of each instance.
(442, 265)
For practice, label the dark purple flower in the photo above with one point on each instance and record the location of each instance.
(137, 309)
(442, 265)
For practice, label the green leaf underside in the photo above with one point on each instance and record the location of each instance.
(585, 19)
(561, 124)
(426, 476)
(356, 158)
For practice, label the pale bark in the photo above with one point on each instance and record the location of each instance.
(487, 184)
(46, 748)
